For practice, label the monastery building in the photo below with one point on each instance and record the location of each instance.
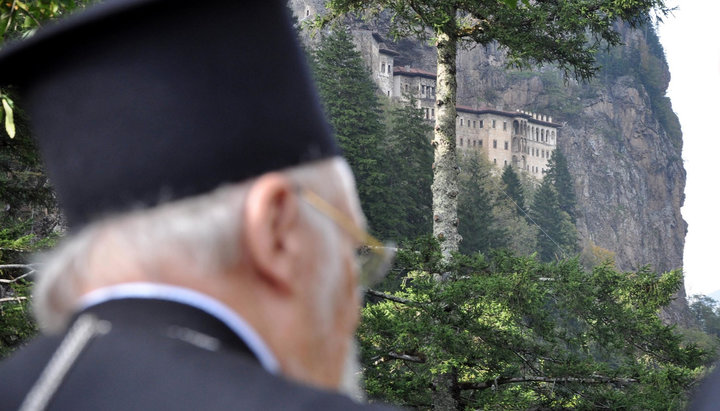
(522, 139)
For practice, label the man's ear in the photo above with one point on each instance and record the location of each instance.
(271, 231)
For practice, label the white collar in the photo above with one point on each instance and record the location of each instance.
(192, 298)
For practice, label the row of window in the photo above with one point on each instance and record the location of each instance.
(382, 68)
(479, 143)
(475, 143)
(422, 89)
(474, 123)
(535, 133)
(495, 161)
(540, 153)
(429, 113)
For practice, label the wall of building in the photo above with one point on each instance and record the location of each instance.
(521, 139)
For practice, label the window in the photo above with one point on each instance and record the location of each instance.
(406, 88)
(494, 160)
(505, 162)
(474, 124)
(423, 89)
(506, 145)
(493, 123)
(433, 90)
(432, 112)
(461, 142)
(474, 142)
(427, 113)
(388, 93)
(494, 143)
(505, 127)
(382, 69)
(480, 143)
(461, 121)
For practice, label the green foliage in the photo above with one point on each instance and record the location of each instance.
(515, 333)
(478, 228)
(16, 322)
(514, 190)
(27, 205)
(392, 162)
(409, 169)
(559, 174)
(557, 236)
(19, 18)
(353, 109)
(706, 312)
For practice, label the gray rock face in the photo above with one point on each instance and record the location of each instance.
(628, 169)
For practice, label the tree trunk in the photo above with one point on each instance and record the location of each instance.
(445, 168)
(445, 392)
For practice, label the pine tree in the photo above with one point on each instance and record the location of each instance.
(514, 189)
(559, 174)
(477, 225)
(410, 169)
(353, 109)
(557, 237)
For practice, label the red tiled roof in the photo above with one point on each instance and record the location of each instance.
(484, 110)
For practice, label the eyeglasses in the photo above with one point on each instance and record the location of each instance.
(374, 258)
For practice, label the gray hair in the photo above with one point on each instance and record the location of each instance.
(200, 232)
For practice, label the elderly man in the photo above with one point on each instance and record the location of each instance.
(212, 262)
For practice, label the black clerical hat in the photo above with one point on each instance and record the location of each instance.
(135, 102)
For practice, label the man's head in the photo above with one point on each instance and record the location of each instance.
(257, 246)
(182, 142)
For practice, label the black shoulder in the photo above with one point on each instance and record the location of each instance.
(20, 371)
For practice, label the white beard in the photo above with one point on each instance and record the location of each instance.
(351, 382)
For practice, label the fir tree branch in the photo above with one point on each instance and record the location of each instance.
(392, 297)
(17, 299)
(30, 267)
(595, 379)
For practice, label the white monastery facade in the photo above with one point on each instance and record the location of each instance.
(522, 139)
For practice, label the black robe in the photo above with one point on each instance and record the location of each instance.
(160, 355)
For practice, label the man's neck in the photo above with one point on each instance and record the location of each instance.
(182, 295)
